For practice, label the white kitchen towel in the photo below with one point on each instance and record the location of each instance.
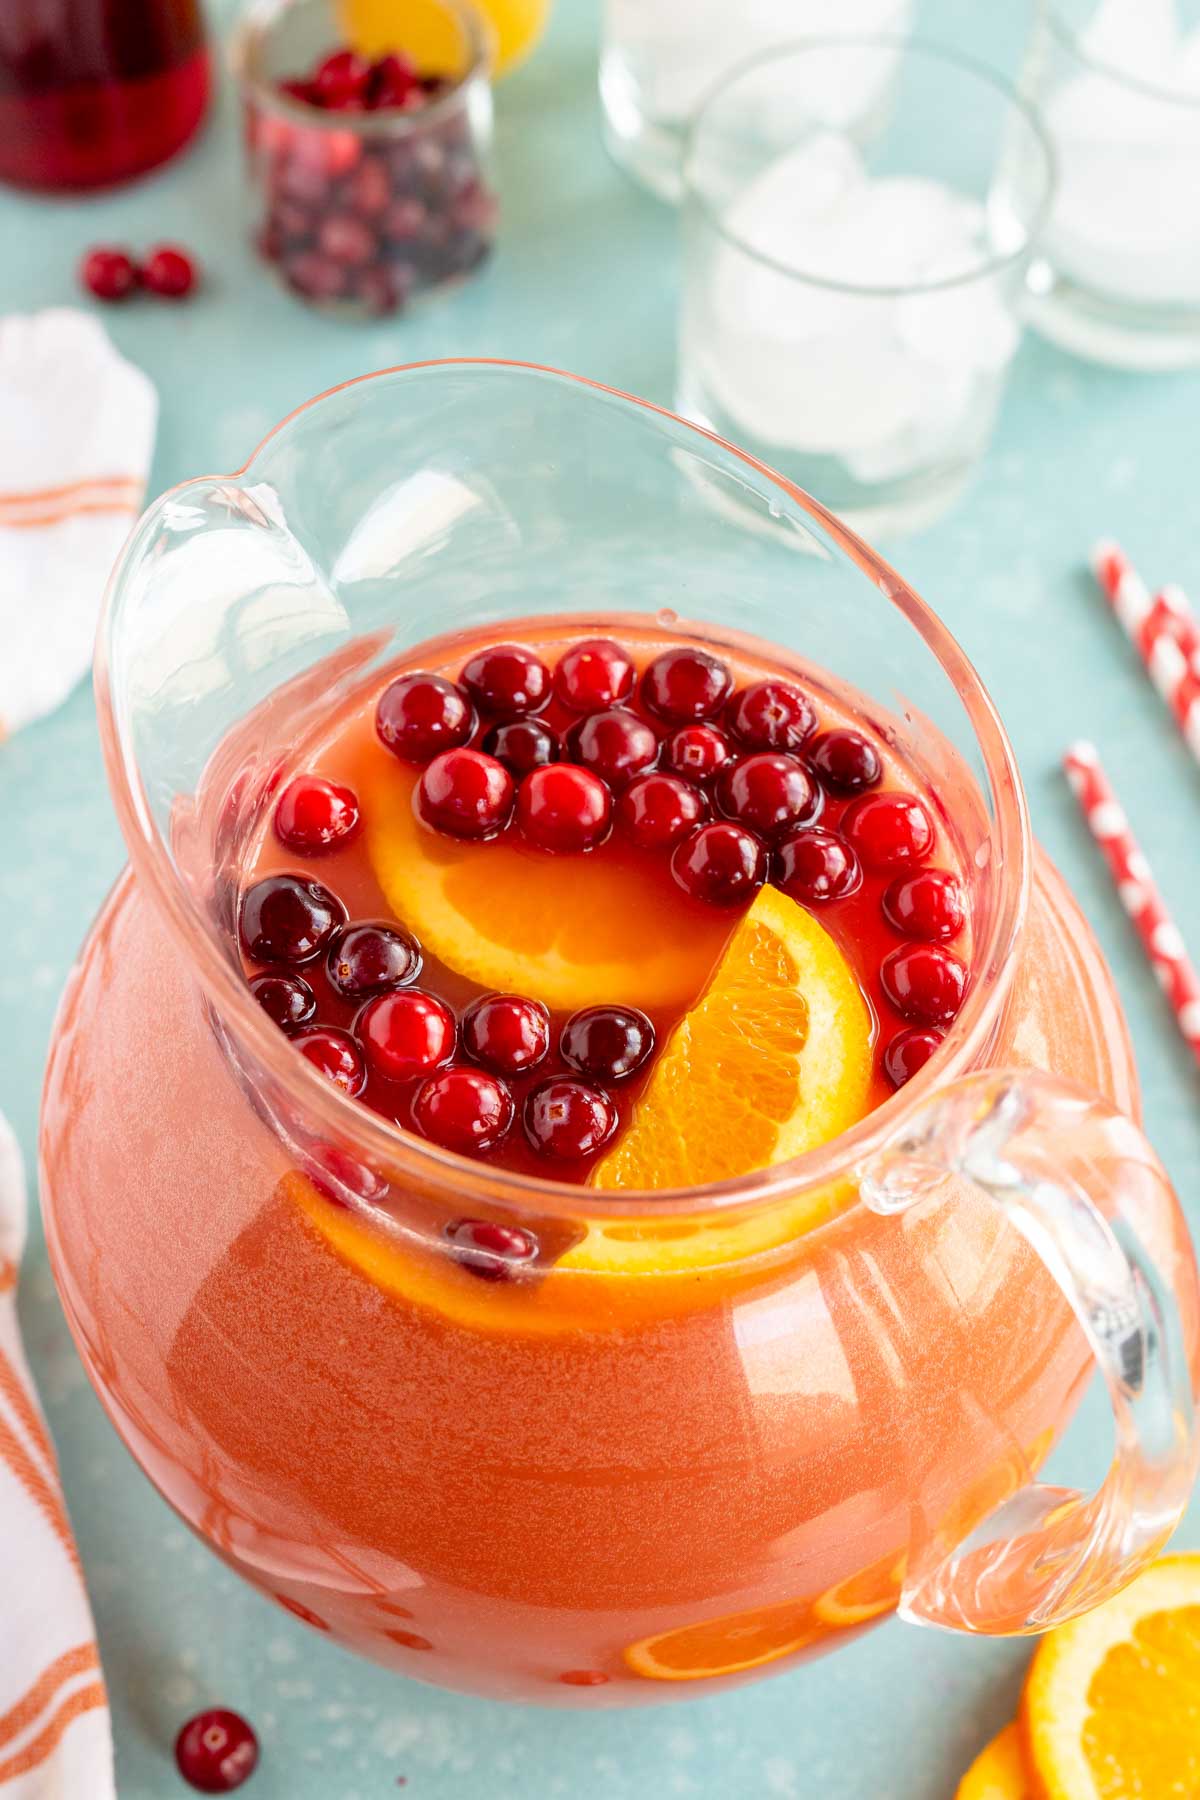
(76, 437)
(55, 1735)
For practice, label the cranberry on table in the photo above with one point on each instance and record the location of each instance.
(927, 904)
(466, 794)
(594, 674)
(313, 815)
(568, 1119)
(924, 982)
(288, 919)
(772, 715)
(337, 1056)
(418, 715)
(506, 1033)
(615, 744)
(508, 679)
(909, 1051)
(722, 864)
(816, 866)
(341, 80)
(888, 830)
(522, 745)
(696, 752)
(769, 793)
(492, 1251)
(607, 1042)
(406, 1033)
(845, 761)
(564, 809)
(684, 684)
(656, 811)
(169, 272)
(286, 999)
(108, 273)
(368, 959)
(216, 1751)
(464, 1109)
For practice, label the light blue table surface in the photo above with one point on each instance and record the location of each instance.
(586, 279)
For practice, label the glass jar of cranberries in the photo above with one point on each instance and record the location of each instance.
(368, 173)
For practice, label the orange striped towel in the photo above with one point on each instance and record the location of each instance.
(55, 1738)
(76, 437)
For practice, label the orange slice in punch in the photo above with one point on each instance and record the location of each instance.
(725, 1646)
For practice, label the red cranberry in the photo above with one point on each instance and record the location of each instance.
(563, 808)
(418, 715)
(336, 1054)
(816, 866)
(926, 904)
(769, 793)
(341, 80)
(345, 239)
(506, 1033)
(720, 863)
(568, 1119)
(466, 794)
(380, 291)
(592, 675)
(655, 811)
(371, 959)
(615, 744)
(846, 761)
(392, 80)
(463, 1109)
(169, 272)
(405, 219)
(684, 684)
(924, 982)
(907, 1052)
(313, 815)
(494, 1252)
(523, 745)
(607, 1042)
(109, 274)
(889, 831)
(772, 715)
(315, 276)
(697, 752)
(341, 1177)
(286, 999)
(288, 919)
(369, 188)
(406, 1033)
(216, 1751)
(507, 679)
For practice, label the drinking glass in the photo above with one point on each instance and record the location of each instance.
(852, 286)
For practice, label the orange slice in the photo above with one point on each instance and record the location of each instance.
(723, 1646)
(1111, 1707)
(426, 30)
(998, 1772)
(866, 1595)
(774, 1060)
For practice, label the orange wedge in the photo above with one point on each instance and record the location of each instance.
(724, 1646)
(773, 1060)
(1111, 1707)
(998, 1772)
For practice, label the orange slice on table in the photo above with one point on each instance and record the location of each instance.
(998, 1772)
(724, 1646)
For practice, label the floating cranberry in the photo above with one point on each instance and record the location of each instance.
(523, 745)
(335, 1173)
(370, 959)
(466, 794)
(568, 1119)
(722, 864)
(907, 1052)
(466, 1110)
(816, 866)
(418, 715)
(769, 793)
(696, 752)
(108, 274)
(286, 999)
(506, 1033)
(655, 811)
(889, 831)
(563, 808)
(313, 815)
(391, 82)
(607, 1042)
(593, 674)
(845, 761)
(335, 1053)
(684, 684)
(288, 919)
(614, 744)
(927, 904)
(216, 1751)
(169, 272)
(507, 679)
(924, 982)
(406, 1033)
(346, 239)
(493, 1251)
(772, 715)
(340, 82)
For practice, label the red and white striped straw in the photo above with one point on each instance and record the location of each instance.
(1136, 888)
(1164, 631)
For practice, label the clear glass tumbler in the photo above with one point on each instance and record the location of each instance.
(852, 287)
(1117, 85)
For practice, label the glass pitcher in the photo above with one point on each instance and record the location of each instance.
(713, 1445)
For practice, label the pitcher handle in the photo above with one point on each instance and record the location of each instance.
(1082, 1185)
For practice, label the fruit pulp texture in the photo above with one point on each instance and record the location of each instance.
(616, 898)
